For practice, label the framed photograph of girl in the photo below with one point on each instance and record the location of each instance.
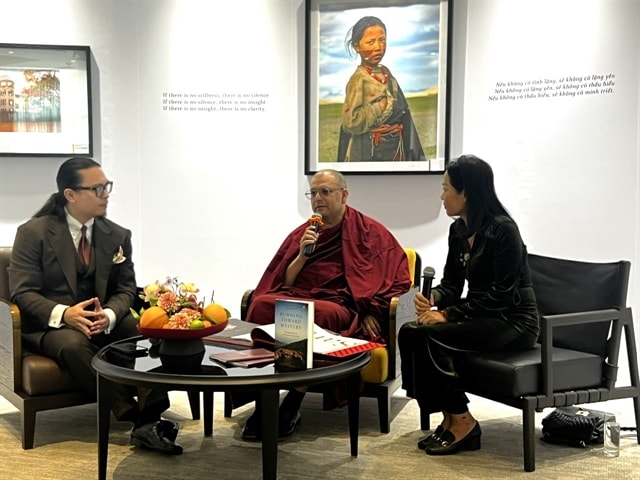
(377, 85)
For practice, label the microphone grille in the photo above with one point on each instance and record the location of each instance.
(317, 215)
(429, 272)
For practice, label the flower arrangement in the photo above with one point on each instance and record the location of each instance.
(174, 304)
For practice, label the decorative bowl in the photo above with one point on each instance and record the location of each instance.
(181, 334)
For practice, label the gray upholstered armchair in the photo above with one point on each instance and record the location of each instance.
(583, 314)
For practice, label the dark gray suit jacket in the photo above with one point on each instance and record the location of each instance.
(43, 271)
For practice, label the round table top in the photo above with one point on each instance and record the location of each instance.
(146, 368)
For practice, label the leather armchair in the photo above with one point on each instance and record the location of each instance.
(583, 313)
(32, 383)
(381, 377)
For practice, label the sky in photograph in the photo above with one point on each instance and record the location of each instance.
(412, 56)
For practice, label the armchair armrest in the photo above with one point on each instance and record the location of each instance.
(10, 345)
(244, 304)
(547, 325)
(394, 360)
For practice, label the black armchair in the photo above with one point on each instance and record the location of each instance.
(583, 313)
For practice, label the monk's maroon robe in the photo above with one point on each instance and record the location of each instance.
(355, 270)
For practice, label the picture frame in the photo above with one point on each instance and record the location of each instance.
(352, 123)
(45, 100)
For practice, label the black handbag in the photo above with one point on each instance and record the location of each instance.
(575, 426)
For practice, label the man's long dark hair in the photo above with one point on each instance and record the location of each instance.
(68, 177)
(474, 177)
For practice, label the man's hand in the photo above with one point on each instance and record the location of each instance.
(87, 321)
(371, 327)
(309, 237)
(101, 321)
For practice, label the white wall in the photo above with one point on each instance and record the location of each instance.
(209, 196)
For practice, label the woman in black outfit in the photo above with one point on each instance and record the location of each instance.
(498, 313)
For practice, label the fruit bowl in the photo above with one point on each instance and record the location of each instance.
(181, 334)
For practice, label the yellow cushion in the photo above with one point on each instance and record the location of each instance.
(377, 370)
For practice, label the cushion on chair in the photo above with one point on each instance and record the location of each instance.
(42, 375)
(515, 374)
(377, 370)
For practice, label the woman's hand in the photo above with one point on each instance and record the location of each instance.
(422, 304)
(431, 317)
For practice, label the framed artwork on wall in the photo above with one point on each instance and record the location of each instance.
(377, 86)
(45, 100)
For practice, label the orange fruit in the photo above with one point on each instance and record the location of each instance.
(207, 323)
(153, 317)
(215, 313)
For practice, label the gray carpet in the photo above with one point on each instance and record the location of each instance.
(66, 449)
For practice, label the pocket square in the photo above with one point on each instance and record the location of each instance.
(119, 257)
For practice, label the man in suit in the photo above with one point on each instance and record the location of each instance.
(72, 277)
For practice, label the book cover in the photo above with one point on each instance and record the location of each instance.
(293, 334)
(244, 358)
(332, 345)
(235, 333)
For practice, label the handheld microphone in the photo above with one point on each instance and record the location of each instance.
(427, 278)
(316, 222)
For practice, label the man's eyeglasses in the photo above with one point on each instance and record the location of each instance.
(323, 192)
(98, 189)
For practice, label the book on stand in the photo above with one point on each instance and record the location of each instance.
(293, 334)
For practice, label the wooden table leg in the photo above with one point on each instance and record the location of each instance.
(269, 414)
(105, 399)
(353, 408)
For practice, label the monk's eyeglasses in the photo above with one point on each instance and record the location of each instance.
(323, 192)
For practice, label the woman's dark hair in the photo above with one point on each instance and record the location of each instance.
(474, 177)
(355, 33)
(68, 177)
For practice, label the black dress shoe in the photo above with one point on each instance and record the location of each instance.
(150, 436)
(447, 445)
(288, 423)
(168, 429)
(430, 439)
(252, 429)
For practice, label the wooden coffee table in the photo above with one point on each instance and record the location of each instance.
(209, 377)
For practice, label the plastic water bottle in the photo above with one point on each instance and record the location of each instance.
(611, 438)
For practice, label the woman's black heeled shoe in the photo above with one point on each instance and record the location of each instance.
(446, 444)
(430, 439)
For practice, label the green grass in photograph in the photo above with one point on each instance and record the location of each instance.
(424, 111)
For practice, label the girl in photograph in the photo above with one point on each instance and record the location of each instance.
(376, 121)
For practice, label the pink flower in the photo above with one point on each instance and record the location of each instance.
(169, 302)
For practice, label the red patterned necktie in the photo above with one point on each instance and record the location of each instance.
(84, 247)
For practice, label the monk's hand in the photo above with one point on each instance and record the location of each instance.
(371, 327)
(309, 237)
(422, 304)
(78, 317)
(431, 317)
